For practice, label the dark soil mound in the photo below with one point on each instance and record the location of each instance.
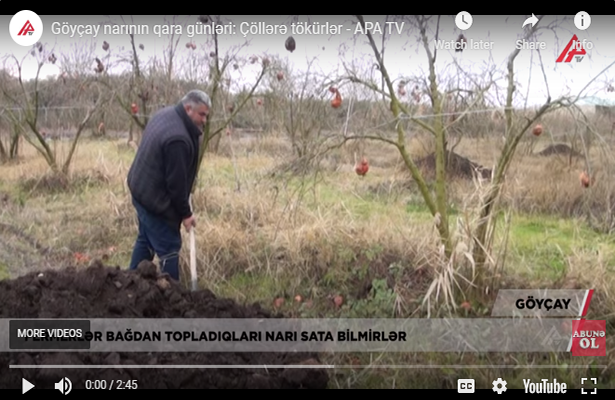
(106, 292)
(457, 166)
(562, 149)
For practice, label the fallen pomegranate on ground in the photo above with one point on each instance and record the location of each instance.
(362, 167)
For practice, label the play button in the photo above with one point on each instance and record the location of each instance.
(25, 386)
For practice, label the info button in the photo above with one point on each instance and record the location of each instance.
(55, 334)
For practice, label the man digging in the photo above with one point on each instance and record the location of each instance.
(161, 178)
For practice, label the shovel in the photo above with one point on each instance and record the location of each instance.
(193, 254)
(193, 258)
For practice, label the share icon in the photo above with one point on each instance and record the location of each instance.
(531, 20)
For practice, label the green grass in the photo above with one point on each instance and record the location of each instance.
(259, 286)
(539, 231)
(358, 202)
(540, 245)
(4, 271)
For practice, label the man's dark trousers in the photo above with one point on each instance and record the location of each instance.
(157, 237)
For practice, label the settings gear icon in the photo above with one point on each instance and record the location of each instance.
(496, 385)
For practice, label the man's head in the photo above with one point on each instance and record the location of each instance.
(197, 105)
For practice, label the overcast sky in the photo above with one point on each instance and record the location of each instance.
(404, 55)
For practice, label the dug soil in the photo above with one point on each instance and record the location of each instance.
(108, 292)
(456, 166)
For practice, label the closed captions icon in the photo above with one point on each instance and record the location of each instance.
(465, 385)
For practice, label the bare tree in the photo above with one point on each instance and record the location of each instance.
(10, 149)
(219, 83)
(26, 99)
(137, 86)
(516, 127)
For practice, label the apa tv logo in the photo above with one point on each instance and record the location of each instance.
(26, 28)
(575, 48)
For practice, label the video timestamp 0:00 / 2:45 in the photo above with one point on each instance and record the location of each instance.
(116, 384)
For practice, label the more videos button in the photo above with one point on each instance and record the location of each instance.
(465, 385)
(49, 334)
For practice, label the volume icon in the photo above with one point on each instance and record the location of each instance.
(64, 386)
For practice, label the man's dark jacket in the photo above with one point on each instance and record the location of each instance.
(164, 168)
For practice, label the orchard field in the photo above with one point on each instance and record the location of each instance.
(283, 219)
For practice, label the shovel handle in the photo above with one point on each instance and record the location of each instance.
(193, 259)
(192, 250)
